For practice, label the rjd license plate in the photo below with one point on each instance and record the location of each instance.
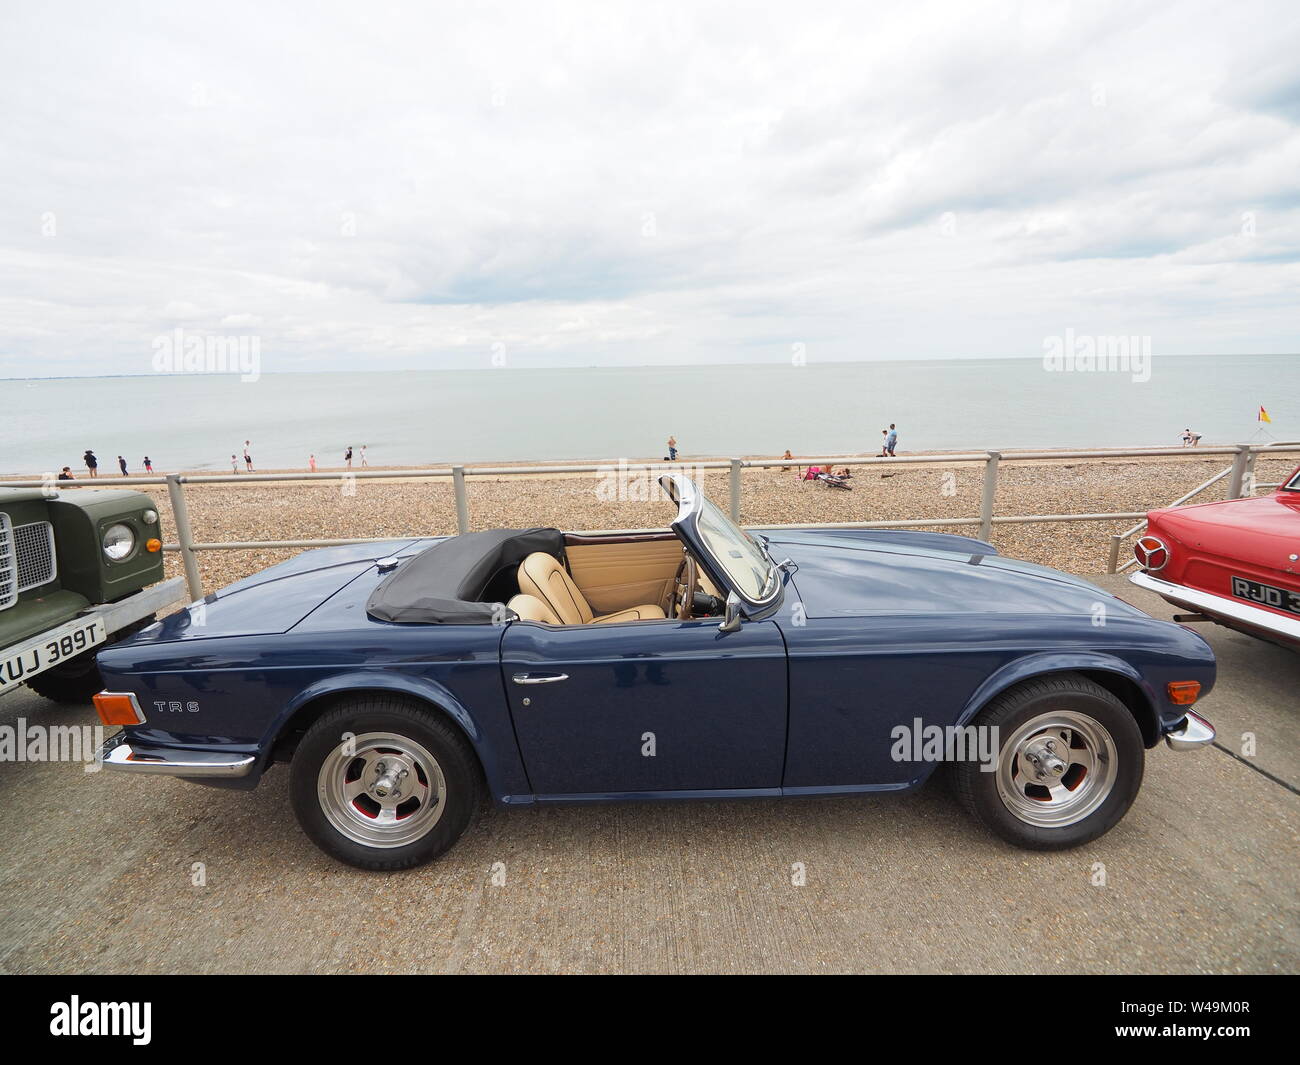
(23, 662)
(1266, 595)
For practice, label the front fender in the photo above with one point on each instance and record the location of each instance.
(1037, 665)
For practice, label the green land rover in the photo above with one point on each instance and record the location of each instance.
(75, 572)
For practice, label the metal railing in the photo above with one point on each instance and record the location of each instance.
(1243, 456)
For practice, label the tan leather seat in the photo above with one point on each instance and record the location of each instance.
(542, 577)
(530, 608)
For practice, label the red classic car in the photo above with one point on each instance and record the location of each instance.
(1236, 562)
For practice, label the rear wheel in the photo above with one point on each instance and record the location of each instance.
(1070, 762)
(383, 783)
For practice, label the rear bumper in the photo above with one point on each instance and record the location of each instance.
(1231, 611)
(1194, 732)
(119, 753)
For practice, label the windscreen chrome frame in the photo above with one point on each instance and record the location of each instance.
(688, 496)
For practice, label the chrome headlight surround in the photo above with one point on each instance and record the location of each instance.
(118, 542)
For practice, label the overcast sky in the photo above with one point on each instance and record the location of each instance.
(366, 185)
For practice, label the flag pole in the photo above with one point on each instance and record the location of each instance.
(1261, 416)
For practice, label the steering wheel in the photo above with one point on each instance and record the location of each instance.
(686, 579)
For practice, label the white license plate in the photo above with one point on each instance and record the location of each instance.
(67, 641)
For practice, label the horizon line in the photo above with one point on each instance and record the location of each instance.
(628, 366)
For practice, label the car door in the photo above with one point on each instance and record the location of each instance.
(647, 706)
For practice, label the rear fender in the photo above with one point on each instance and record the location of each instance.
(422, 688)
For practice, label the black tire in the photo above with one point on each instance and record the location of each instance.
(414, 722)
(78, 679)
(979, 792)
(73, 681)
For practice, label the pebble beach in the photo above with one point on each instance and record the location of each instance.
(403, 507)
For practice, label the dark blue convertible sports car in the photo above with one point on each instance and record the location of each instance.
(403, 681)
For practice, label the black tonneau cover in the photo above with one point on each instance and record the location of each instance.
(442, 584)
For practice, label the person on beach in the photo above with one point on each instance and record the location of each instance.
(884, 444)
(787, 455)
(248, 459)
(65, 474)
(672, 448)
(311, 463)
(234, 463)
(121, 465)
(891, 439)
(1190, 439)
(347, 457)
(92, 463)
(827, 475)
(148, 465)
(363, 456)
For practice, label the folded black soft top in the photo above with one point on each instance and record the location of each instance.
(444, 584)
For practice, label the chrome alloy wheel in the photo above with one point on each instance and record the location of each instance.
(381, 790)
(1056, 769)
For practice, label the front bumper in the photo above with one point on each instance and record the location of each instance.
(1194, 732)
(1231, 611)
(141, 605)
(63, 613)
(119, 753)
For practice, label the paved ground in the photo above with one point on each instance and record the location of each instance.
(1202, 876)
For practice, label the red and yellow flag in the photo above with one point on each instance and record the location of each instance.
(1263, 416)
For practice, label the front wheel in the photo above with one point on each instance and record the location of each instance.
(382, 783)
(1070, 762)
(73, 681)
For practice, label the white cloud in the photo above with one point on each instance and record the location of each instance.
(623, 183)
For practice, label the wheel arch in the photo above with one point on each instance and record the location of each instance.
(1114, 674)
(308, 706)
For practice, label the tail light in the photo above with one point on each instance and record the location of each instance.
(1152, 553)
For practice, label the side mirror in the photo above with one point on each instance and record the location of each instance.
(731, 621)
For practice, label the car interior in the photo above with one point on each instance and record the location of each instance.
(604, 579)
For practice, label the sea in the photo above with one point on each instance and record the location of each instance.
(434, 417)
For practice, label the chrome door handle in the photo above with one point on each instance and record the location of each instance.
(539, 678)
